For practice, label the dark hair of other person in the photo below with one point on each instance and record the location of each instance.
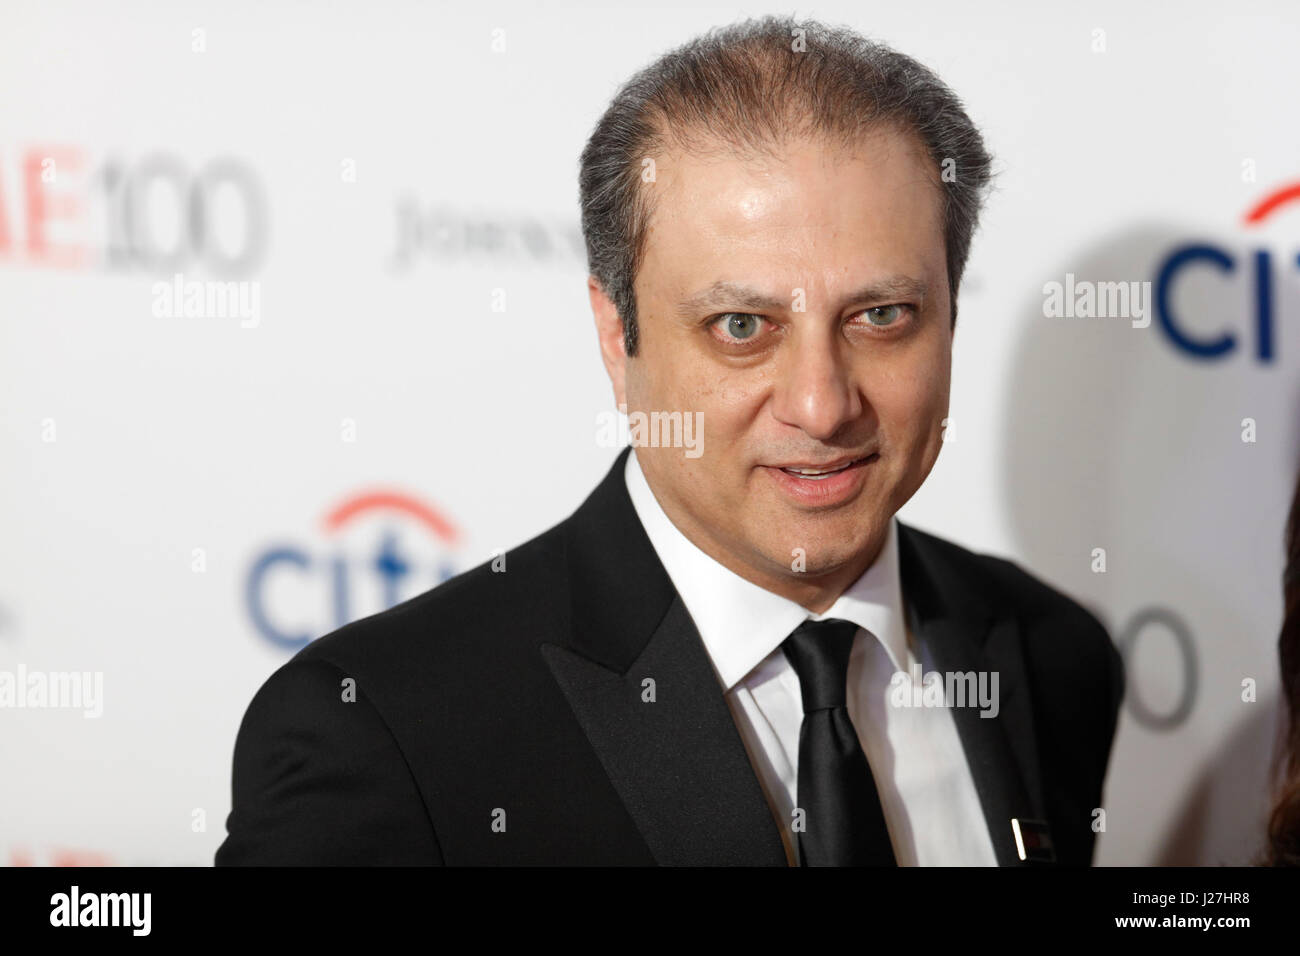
(1284, 822)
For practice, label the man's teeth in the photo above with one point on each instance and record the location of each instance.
(814, 473)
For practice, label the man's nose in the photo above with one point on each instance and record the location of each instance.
(815, 390)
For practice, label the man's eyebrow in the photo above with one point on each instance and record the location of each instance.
(737, 296)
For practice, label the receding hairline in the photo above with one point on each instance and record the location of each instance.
(710, 146)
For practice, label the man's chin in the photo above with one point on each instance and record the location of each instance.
(820, 555)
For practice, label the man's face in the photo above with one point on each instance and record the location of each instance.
(802, 306)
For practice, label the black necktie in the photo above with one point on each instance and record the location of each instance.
(843, 822)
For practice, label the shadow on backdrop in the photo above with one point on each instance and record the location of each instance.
(1121, 441)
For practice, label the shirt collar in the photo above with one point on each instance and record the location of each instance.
(741, 623)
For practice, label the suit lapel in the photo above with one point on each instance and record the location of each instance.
(669, 745)
(959, 631)
(635, 672)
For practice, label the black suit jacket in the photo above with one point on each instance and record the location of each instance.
(499, 717)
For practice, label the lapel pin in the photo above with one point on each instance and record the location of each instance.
(1033, 840)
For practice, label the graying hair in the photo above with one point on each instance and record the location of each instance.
(747, 88)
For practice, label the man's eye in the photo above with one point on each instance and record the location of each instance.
(884, 315)
(739, 325)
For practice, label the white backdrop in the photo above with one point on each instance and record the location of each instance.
(182, 497)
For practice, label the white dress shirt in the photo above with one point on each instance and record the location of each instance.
(931, 806)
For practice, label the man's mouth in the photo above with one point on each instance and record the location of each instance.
(821, 472)
(821, 485)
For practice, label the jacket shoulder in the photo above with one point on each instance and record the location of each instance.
(1008, 586)
(317, 779)
(1060, 633)
(333, 740)
(515, 595)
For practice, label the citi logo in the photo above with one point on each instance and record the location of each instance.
(375, 549)
(1183, 261)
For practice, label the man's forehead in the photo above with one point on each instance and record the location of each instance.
(725, 190)
(716, 207)
(681, 160)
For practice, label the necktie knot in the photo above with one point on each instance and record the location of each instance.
(819, 653)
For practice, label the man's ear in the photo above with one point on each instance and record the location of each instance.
(609, 331)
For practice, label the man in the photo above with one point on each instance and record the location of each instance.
(724, 655)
